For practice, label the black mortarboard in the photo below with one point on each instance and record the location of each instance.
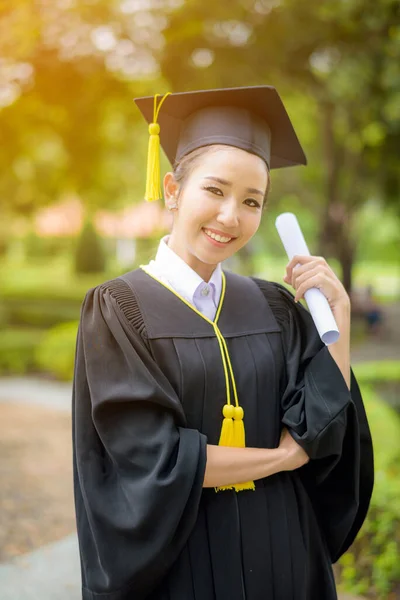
(250, 118)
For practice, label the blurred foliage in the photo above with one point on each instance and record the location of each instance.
(67, 116)
(372, 566)
(89, 255)
(36, 247)
(17, 350)
(69, 70)
(385, 377)
(377, 371)
(55, 353)
(378, 233)
(53, 279)
(5, 236)
(316, 53)
(146, 249)
(38, 313)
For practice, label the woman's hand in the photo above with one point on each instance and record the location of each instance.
(305, 272)
(295, 456)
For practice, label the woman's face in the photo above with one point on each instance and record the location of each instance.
(219, 207)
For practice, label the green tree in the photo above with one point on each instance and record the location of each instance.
(90, 256)
(67, 119)
(341, 56)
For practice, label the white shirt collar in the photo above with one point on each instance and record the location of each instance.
(182, 278)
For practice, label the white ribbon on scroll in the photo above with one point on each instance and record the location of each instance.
(294, 243)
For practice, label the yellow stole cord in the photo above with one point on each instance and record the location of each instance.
(153, 176)
(232, 431)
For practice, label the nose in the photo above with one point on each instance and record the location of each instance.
(228, 215)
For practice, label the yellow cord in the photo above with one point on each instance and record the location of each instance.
(224, 361)
(232, 431)
(221, 341)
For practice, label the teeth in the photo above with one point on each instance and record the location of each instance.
(218, 238)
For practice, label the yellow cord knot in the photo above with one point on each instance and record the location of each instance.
(238, 413)
(228, 411)
(154, 129)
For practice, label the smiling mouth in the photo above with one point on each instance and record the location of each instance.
(218, 238)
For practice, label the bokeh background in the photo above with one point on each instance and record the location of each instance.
(72, 173)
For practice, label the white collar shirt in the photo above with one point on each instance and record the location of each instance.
(171, 269)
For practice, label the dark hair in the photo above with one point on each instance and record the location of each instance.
(184, 167)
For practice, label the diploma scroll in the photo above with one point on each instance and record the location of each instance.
(294, 243)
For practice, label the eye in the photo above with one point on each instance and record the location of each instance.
(213, 190)
(252, 203)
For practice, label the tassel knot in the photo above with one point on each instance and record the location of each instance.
(228, 411)
(154, 129)
(238, 413)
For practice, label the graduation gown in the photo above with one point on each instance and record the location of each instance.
(148, 394)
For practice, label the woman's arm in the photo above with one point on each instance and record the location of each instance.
(226, 465)
(340, 350)
(305, 272)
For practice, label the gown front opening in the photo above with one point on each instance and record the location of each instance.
(148, 393)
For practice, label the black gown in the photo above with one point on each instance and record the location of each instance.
(148, 395)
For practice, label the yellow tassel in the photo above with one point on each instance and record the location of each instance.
(153, 180)
(226, 437)
(153, 176)
(239, 438)
(233, 434)
(249, 485)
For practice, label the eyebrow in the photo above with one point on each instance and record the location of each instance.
(225, 182)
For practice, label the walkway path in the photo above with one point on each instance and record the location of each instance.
(52, 572)
(40, 392)
(49, 573)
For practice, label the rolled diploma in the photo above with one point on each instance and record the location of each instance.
(294, 243)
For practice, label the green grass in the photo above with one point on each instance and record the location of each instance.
(53, 278)
(384, 423)
(371, 566)
(377, 371)
(17, 350)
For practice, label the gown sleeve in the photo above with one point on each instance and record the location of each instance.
(329, 421)
(138, 471)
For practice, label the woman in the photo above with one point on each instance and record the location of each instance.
(221, 450)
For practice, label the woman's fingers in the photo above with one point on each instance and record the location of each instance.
(299, 261)
(306, 272)
(314, 279)
(303, 272)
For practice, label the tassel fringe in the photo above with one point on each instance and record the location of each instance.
(233, 435)
(153, 180)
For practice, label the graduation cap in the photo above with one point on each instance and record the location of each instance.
(251, 118)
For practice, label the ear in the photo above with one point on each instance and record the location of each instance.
(171, 189)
